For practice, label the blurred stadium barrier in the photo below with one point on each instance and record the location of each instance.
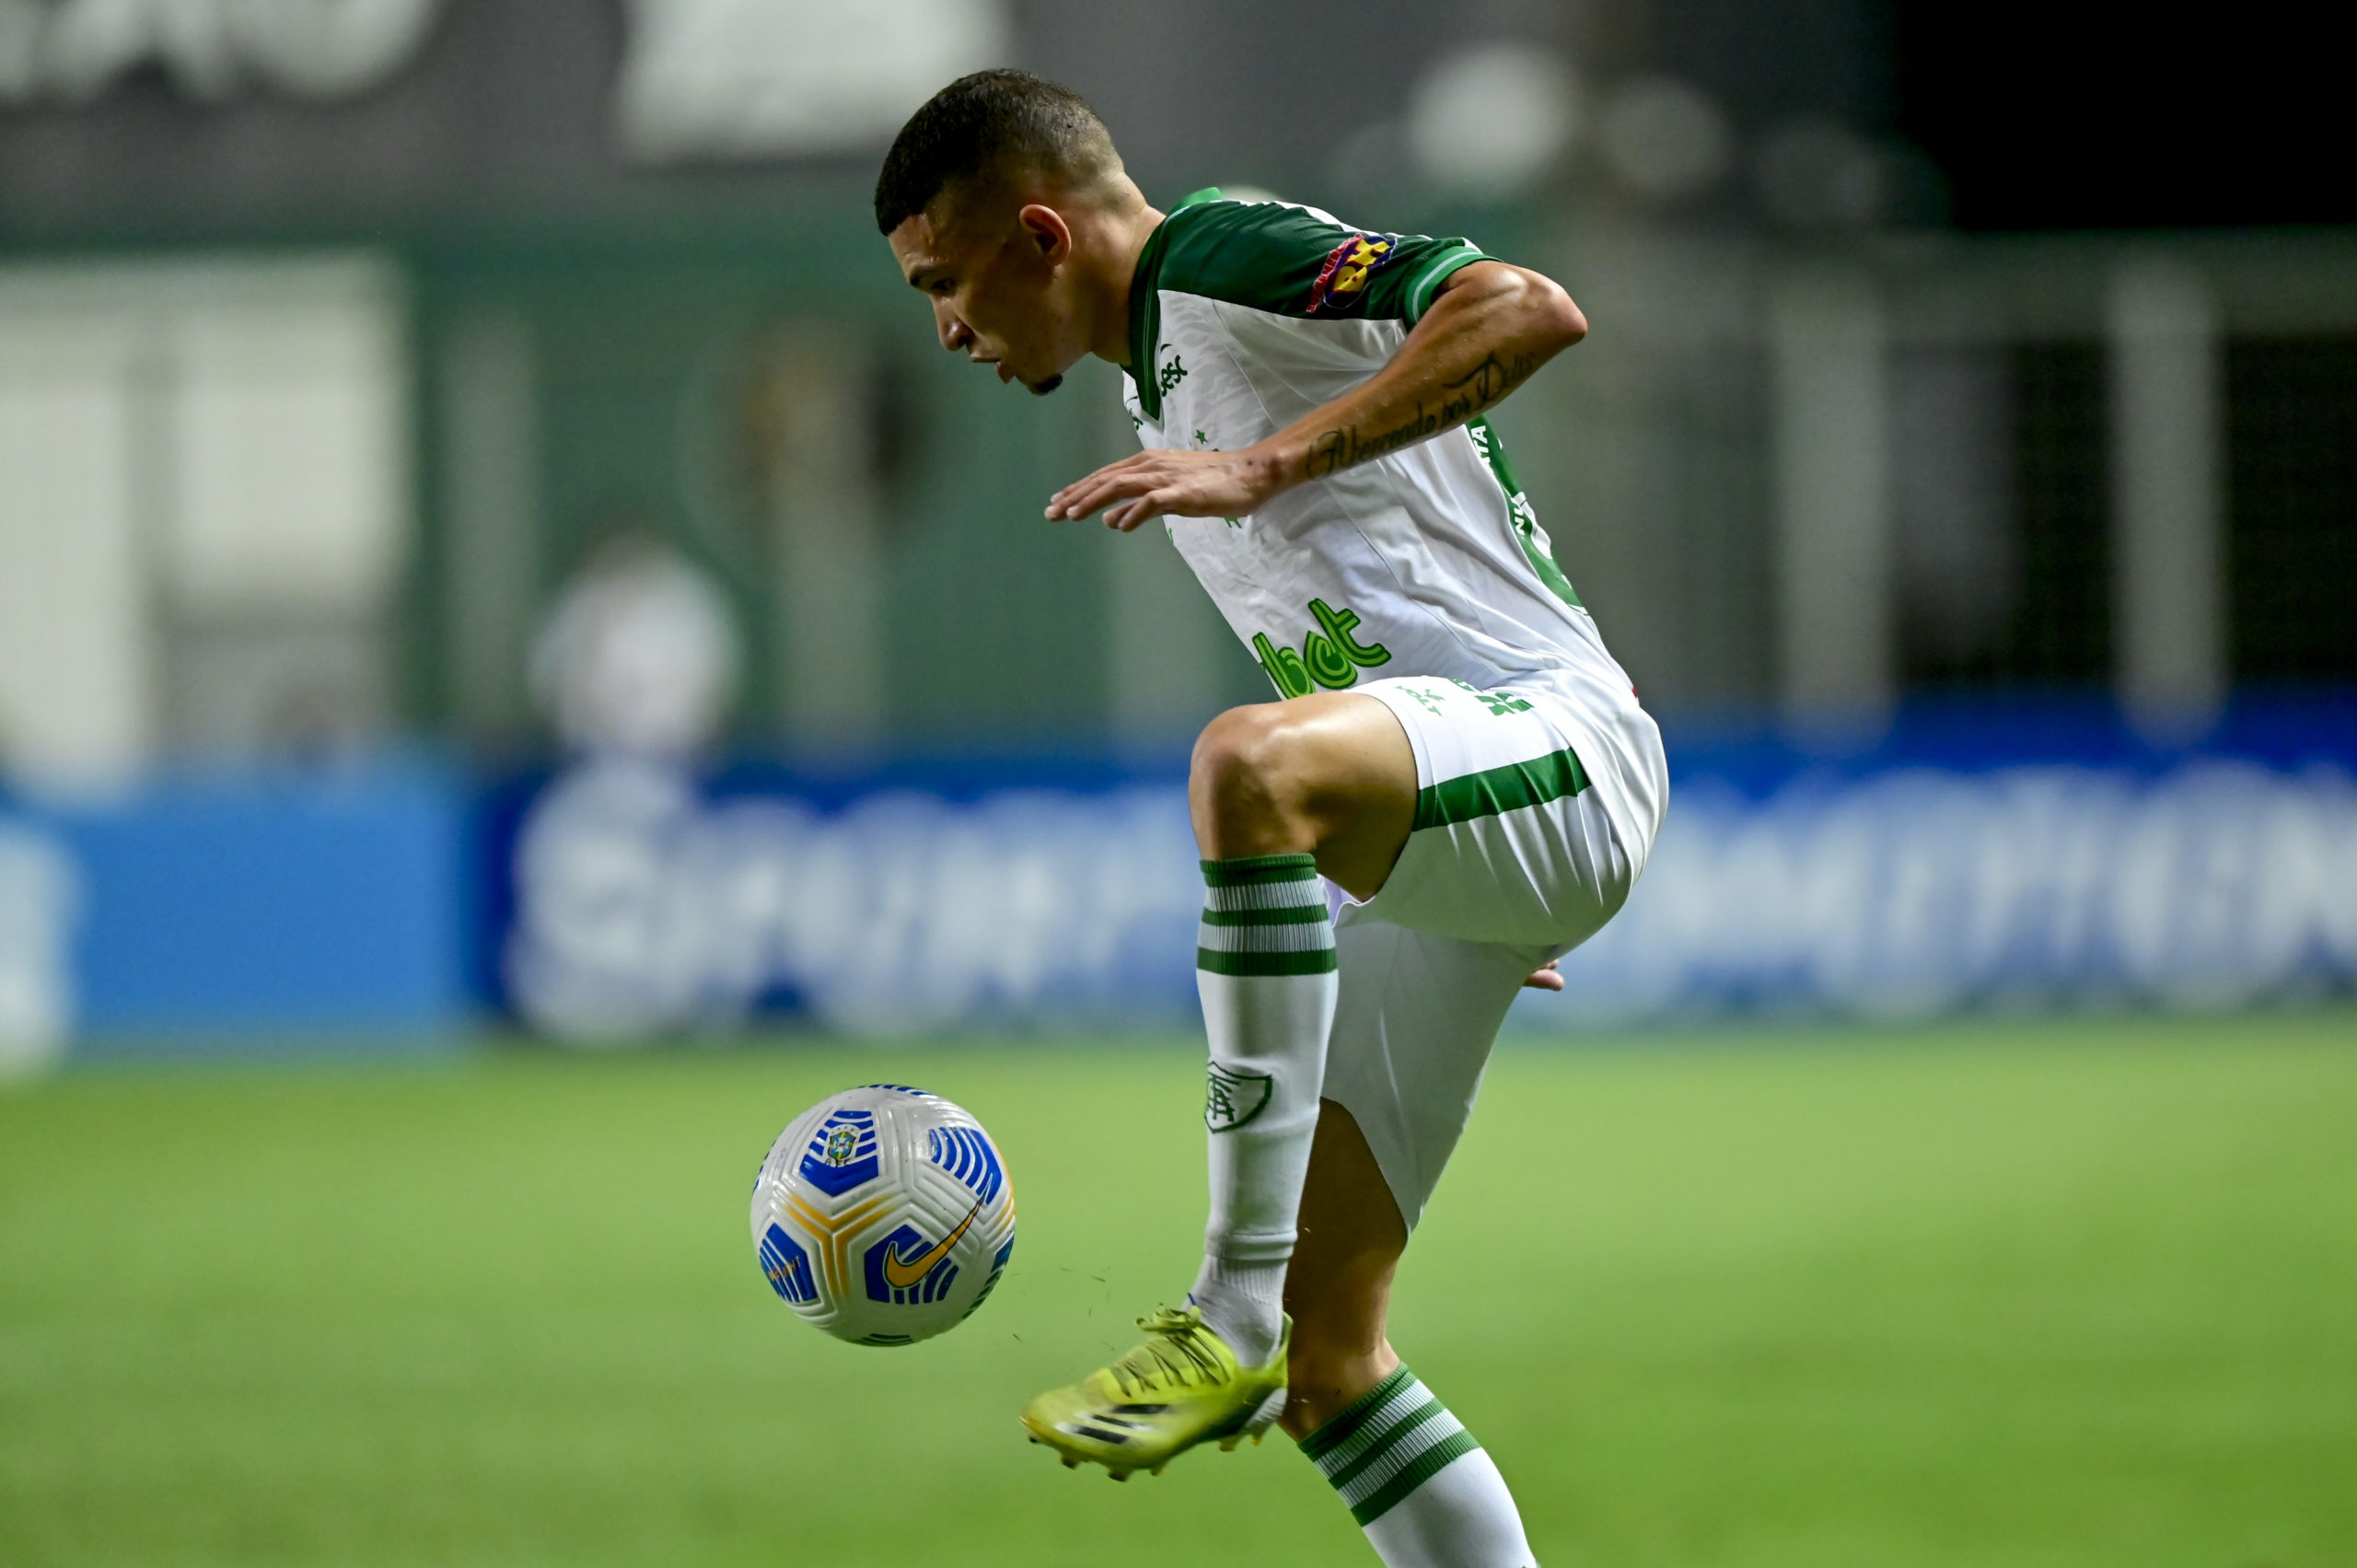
(193, 916)
(642, 905)
(1918, 892)
(620, 902)
(1902, 885)
(39, 903)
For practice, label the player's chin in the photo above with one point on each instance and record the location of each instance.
(1041, 389)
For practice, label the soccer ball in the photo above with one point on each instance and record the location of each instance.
(883, 1215)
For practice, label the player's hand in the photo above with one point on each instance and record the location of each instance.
(1545, 980)
(1172, 484)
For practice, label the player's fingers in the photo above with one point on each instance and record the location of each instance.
(1060, 504)
(1120, 487)
(1545, 979)
(1081, 499)
(1145, 508)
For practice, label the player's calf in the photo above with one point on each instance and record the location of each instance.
(1338, 1291)
(1416, 1482)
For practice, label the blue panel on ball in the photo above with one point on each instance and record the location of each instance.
(906, 1270)
(903, 1089)
(788, 1268)
(842, 1153)
(965, 1154)
(998, 1267)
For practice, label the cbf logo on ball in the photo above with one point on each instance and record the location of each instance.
(842, 1153)
(884, 1216)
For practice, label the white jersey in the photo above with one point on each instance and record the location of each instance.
(1426, 561)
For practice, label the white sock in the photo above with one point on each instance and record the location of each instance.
(1264, 966)
(1420, 1488)
(1244, 1304)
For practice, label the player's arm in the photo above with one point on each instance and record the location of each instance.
(1488, 331)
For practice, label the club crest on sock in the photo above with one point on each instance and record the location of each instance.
(1233, 1098)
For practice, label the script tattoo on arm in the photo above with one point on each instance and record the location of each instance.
(1482, 387)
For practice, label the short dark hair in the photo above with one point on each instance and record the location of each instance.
(987, 121)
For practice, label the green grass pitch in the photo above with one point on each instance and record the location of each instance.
(2007, 1295)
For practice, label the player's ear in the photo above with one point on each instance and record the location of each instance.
(1047, 231)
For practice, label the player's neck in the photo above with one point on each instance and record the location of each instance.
(1124, 241)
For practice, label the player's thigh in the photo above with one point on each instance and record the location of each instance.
(1415, 1017)
(1511, 841)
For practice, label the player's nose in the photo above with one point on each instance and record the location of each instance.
(954, 334)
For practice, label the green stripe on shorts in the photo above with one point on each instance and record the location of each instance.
(1496, 791)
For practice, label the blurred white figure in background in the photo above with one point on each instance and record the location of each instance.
(636, 668)
(772, 78)
(641, 657)
(40, 899)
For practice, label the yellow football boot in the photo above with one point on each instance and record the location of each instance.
(1182, 1387)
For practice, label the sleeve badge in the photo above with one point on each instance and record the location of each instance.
(1347, 268)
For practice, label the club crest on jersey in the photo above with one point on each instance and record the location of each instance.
(1233, 1098)
(1347, 268)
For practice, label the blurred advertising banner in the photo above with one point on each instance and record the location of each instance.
(39, 897)
(622, 902)
(1918, 892)
(644, 904)
(235, 915)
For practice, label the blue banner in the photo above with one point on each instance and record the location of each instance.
(1881, 886)
(296, 912)
(2048, 861)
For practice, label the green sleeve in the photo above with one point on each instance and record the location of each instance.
(1294, 261)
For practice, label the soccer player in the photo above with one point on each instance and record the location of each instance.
(1454, 751)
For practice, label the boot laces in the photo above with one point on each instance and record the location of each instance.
(1177, 1354)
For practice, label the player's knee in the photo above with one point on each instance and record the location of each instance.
(1244, 778)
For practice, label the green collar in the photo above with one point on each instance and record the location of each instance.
(1145, 306)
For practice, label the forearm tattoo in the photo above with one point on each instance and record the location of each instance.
(1482, 387)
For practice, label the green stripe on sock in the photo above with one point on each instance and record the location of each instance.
(1251, 870)
(1430, 1410)
(1420, 1469)
(1284, 915)
(1344, 1427)
(1318, 960)
(1496, 791)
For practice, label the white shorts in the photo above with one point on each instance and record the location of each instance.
(1519, 854)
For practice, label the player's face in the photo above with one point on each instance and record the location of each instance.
(998, 293)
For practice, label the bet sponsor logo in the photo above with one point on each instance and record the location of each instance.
(1329, 656)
